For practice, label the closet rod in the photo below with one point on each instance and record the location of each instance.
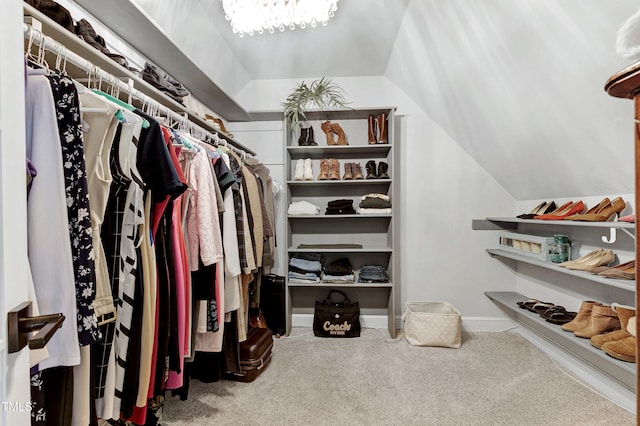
(51, 45)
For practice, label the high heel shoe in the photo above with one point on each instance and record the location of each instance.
(605, 258)
(567, 209)
(540, 209)
(582, 259)
(626, 271)
(593, 210)
(326, 128)
(606, 213)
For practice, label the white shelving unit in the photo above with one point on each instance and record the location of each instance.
(377, 234)
(594, 233)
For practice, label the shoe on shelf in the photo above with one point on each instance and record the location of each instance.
(624, 349)
(382, 170)
(326, 128)
(625, 313)
(308, 172)
(631, 218)
(625, 271)
(304, 136)
(558, 315)
(582, 259)
(324, 170)
(606, 213)
(299, 173)
(603, 319)
(342, 138)
(371, 170)
(334, 169)
(372, 130)
(603, 259)
(581, 320)
(593, 210)
(562, 212)
(540, 209)
(381, 122)
(348, 171)
(357, 171)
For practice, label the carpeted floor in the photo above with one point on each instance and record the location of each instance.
(494, 379)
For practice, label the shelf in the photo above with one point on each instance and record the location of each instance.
(127, 19)
(342, 151)
(628, 285)
(514, 220)
(622, 372)
(76, 45)
(346, 285)
(341, 250)
(312, 183)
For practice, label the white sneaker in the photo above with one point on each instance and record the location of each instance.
(299, 173)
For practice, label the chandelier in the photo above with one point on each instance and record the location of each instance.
(256, 16)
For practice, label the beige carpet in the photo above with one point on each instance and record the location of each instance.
(494, 379)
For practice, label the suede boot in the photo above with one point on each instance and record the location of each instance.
(603, 319)
(371, 170)
(326, 128)
(334, 169)
(381, 121)
(342, 138)
(382, 170)
(324, 170)
(299, 173)
(357, 171)
(308, 172)
(348, 171)
(624, 349)
(582, 318)
(624, 313)
(304, 136)
(372, 130)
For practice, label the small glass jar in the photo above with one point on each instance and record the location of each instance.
(560, 249)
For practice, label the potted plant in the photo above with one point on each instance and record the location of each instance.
(320, 94)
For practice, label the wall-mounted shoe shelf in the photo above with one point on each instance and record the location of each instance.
(622, 372)
(375, 233)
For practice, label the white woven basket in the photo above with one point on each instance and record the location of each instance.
(432, 324)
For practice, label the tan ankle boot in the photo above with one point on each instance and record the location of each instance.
(624, 349)
(348, 171)
(381, 121)
(324, 170)
(582, 318)
(603, 319)
(342, 138)
(334, 169)
(372, 130)
(326, 128)
(624, 313)
(357, 171)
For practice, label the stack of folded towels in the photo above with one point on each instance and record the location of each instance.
(375, 203)
(338, 272)
(305, 268)
(340, 207)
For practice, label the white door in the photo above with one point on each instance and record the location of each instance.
(14, 368)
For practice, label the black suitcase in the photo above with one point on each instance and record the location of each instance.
(255, 355)
(272, 295)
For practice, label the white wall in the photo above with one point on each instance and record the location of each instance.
(443, 189)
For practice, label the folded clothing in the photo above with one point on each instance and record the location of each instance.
(303, 208)
(303, 276)
(338, 279)
(306, 262)
(340, 207)
(373, 274)
(300, 281)
(383, 197)
(339, 267)
(374, 203)
(373, 211)
(164, 82)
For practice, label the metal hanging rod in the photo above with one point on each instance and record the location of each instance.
(46, 43)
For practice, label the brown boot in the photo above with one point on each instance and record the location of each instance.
(342, 138)
(382, 170)
(603, 319)
(326, 128)
(372, 130)
(381, 121)
(348, 171)
(371, 170)
(357, 171)
(324, 170)
(624, 349)
(334, 169)
(582, 319)
(624, 313)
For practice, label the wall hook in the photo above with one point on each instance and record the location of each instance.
(611, 238)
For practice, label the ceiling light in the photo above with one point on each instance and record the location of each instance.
(257, 16)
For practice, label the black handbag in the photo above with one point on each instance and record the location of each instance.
(336, 319)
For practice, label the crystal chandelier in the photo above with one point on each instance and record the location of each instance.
(256, 16)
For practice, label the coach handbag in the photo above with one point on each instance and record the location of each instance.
(336, 317)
